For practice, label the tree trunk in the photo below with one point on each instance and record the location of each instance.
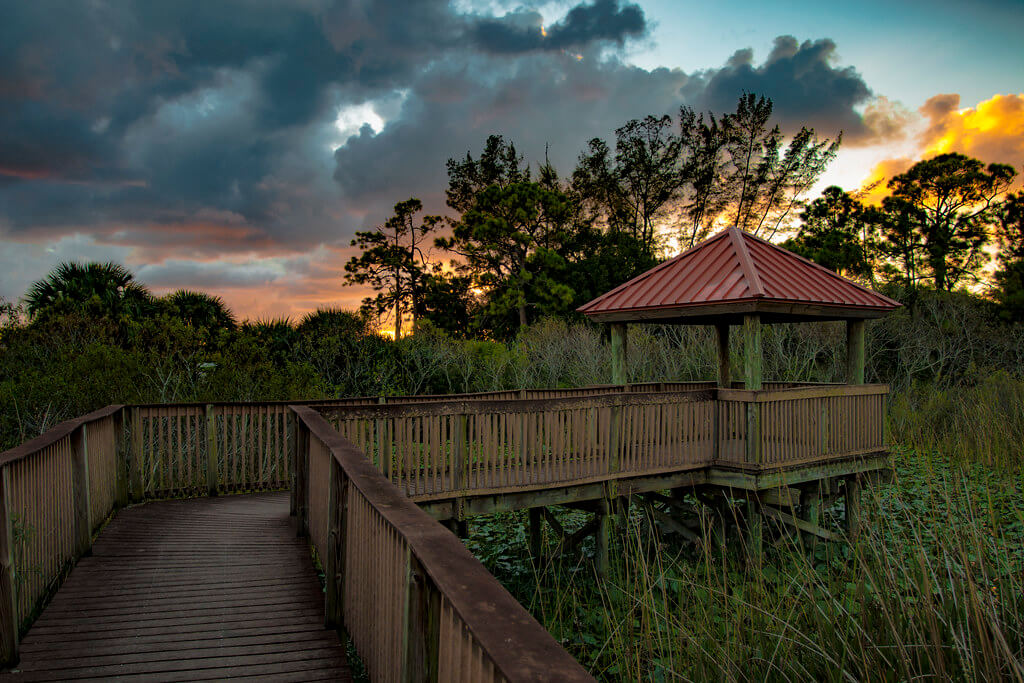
(522, 315)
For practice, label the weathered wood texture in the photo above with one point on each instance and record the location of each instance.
(201, 589)
(174, 448)
(416, 603)
(441, 449)
(53, 496)
(437, 450)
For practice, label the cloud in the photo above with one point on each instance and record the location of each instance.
(807, 88)
(202, 132)
(523, 30)
(992, 131)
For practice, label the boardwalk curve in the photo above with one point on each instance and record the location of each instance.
(200, 589)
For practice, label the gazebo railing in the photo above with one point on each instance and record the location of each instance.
(789, 427)
(438, 446)
(440, 450)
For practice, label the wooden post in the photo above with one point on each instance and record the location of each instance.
(459, 458)
(603, 536)
(422, 622)
(122, 458)
(293, 451)
(752, 358)
(302, 483)
(810, 508)
(855, 351)
(536, 539)
(80, 490)
(211, 451)
(334, 563)
(619, 369)
(852, 503)
(136, 457)
(755, 530)
(722, 333)
(8, 595)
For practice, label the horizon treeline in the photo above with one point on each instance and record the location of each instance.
(523, 244)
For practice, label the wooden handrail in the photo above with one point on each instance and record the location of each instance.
(462, 407)
(519, 647)
(54, 434)
(47, 481)
(795, 393)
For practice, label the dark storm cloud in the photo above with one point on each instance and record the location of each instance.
(554, 103)
(806, 88)
(523, 31)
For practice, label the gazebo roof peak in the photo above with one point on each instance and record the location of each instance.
(733, 273)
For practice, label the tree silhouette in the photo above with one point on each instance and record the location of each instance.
(838, 232)
(393, 262)
(1009, 278)
(511, 241)
(200, 310)
(938, 218)
(93, 289)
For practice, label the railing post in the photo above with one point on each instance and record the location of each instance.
(753, 451)
(334, 563)
(422, 626)
(8, 595)
(135, 457)
(301, 482)
(293, 451)
(211, 450)
(122, 458)
(80, 490)
(460, 453)
(614, 437)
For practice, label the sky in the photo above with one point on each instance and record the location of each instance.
(236, 146)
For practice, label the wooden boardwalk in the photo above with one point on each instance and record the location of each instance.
(200, 589)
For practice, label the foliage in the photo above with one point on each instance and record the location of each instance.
(199, 310)
(512, 241)
(936, 221)
(1009, 279)
(837, 231)
(393, 263)
(96, 289)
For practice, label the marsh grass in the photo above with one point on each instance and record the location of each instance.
(932, 588)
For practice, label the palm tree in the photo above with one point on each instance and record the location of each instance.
(200, 310)
(94, 289)
(326, 322)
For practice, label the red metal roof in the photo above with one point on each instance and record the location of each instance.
(733, 266)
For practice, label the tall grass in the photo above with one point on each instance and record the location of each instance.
(932, 587)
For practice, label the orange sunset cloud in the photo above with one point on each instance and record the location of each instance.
(992, 131)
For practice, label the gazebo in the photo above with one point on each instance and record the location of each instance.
(790, 432)
(731, 279)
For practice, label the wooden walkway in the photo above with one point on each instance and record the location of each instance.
(201, 589)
